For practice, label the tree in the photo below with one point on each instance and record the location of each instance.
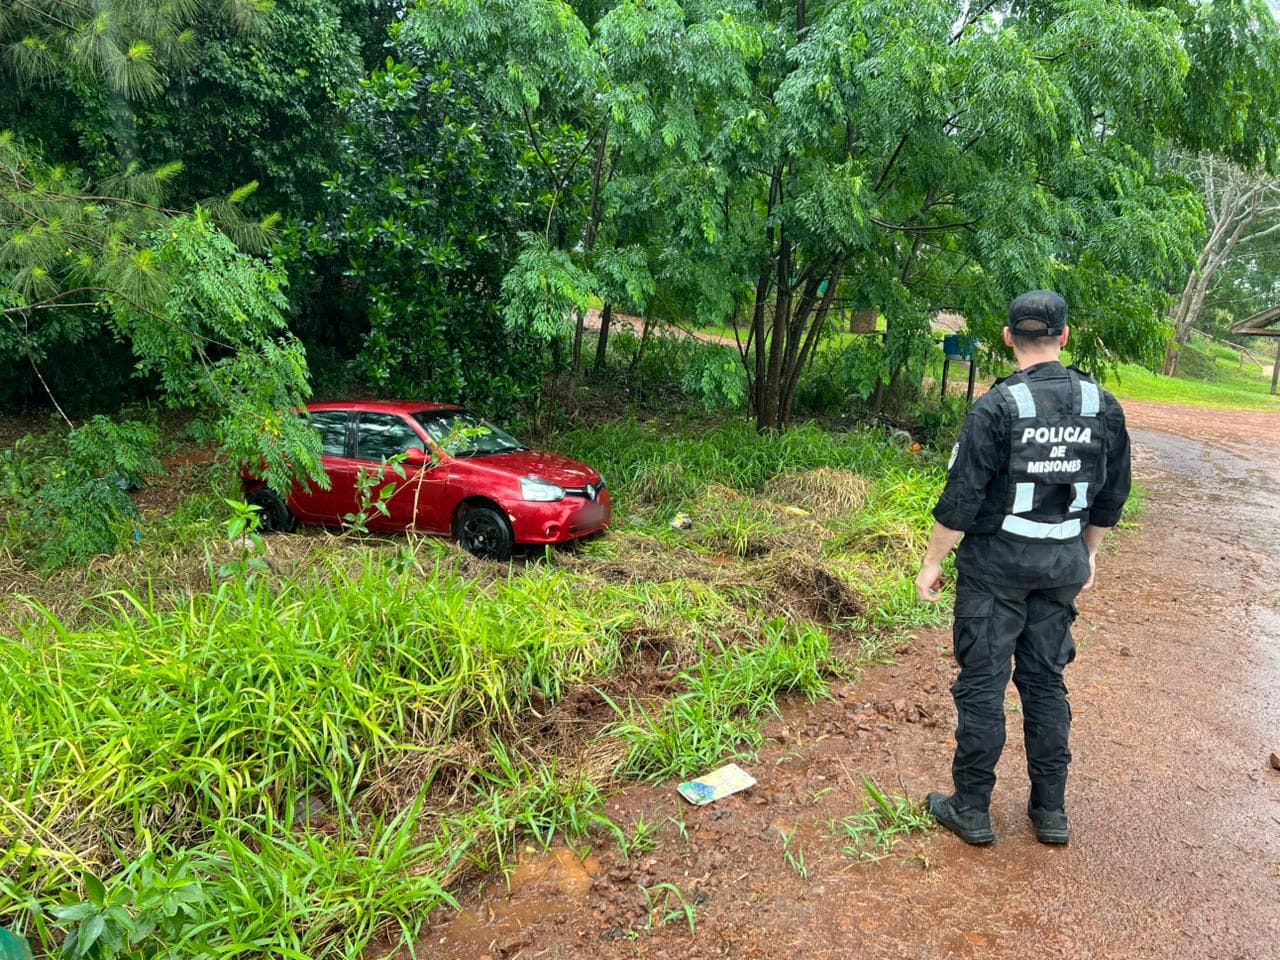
(83, 255)
(421, 223)
(1242, 210)
(764, 163)
(909, 157)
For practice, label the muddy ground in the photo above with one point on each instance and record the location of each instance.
(1175, 810)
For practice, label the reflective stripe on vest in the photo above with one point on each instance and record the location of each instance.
(1024, 497)
(1089, 399)
(1035, 530)
(1021, 394)
(1082, 497)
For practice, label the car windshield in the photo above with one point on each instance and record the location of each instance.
(462, 434)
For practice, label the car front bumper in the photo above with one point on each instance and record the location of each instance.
(569, 519)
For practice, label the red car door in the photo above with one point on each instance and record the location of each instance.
(328, 506)
(418, 500)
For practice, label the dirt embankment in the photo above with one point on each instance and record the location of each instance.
(1175, 812)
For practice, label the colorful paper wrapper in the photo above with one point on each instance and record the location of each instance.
(716, 785)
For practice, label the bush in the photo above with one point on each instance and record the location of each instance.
(715, 379)
(842, 377)
(67, 494)
(939, 420)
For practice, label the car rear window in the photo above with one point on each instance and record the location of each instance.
(332, 427)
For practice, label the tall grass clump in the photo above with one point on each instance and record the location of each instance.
(665, 465)
(725, 699)
(225, 716)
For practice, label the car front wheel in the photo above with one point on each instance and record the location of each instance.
(485, 532)
(274, 515)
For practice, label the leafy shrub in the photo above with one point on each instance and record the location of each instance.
(67, 494)
(715, 379)
(939, 420)
(842, 376)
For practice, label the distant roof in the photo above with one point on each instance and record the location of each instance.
(945, 322)
(1260, 324)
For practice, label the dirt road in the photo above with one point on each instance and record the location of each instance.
(1175, 811)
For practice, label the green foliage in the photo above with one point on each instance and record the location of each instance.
(277, 737)
(203, 318)
(373, 489)
(139, 917)
(843, 376)
(672, 467)
(66, 494)
(938, 421)
(1131, 382)
(259, 105)
(884, 823)
(665, 903)
(543, 289)
(723, 704)
(242, 532)
(715, 380)
(423, 178)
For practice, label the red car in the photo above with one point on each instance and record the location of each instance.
(464, 478)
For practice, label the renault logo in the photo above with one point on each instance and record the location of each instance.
(592, 493)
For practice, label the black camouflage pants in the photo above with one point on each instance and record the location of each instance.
(995, 624)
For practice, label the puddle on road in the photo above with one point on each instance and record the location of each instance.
(543, 885)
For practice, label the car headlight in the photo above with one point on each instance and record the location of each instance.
(540, 491)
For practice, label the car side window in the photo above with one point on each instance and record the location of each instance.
(381, 436)
(332, 427)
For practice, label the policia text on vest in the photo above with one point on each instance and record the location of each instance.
(1040, 474)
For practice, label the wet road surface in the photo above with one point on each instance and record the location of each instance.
(1175, 812)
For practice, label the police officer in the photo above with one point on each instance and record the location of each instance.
(1039, 476)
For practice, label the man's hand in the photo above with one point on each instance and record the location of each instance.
(1093, 537)
(929, 582)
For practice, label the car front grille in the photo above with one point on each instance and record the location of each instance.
(590, 492)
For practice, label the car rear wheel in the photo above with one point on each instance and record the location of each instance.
(274, 515)
(485, 532)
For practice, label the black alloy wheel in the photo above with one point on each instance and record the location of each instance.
(486, 533)
(274, 515)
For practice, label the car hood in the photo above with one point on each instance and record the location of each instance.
(551, 467)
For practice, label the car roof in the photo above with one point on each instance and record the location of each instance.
(402, 407)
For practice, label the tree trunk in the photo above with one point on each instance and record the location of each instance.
(602, 345)
(769, 416)
(579, 328)
(644, 338)
(593, 231)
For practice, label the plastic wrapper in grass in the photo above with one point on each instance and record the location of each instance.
(716, 785)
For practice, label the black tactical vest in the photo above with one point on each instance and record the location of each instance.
(1057, 456)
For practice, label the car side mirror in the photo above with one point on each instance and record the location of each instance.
(417, 457)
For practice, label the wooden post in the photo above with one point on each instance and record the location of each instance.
(973, 376)
(1275, 369)
(946, 366)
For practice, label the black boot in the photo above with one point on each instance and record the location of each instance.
(970, 825)
(1051, 825)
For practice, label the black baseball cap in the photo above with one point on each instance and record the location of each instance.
(1038, 313)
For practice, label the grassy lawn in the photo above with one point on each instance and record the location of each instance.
(300, 756)
(1209, 375)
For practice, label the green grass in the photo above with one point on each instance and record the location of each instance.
(884, 822)
(310, 756)
(1209, 375)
